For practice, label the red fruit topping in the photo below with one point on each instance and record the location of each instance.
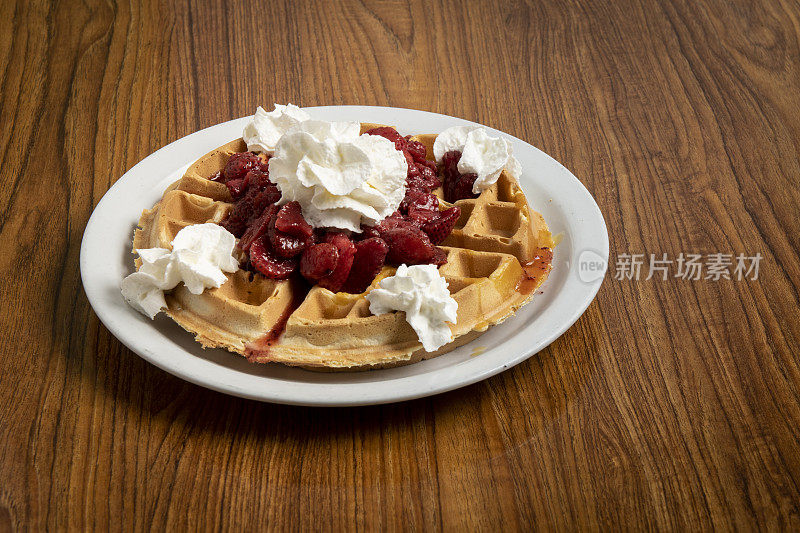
(420, 199)
(420, 217)
(457, 186)
(258, 227)
(393, 221)
(240, 164)
(265, 261)
(421, 172)
(319, 261)
(428, 163)
(463, 188)
(367, 232)
(235, 223)
(391, 134)
(417, 150)
(422, 178)
(408, 245)
(421, 207)
(278, 239)
(240, 216)
(385, 131)
(429, 176)
(368, 261)
(247, 180)
(439, 228)
(439, 257)
(257, 178)
(450, 163)
(235, 187)
(347, 250)
(285, 245)
(410, 161)
(289, 244)
(290, 220)
(261, 199)
(318, 235)
(415, 181)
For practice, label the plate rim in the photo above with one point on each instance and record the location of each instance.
(388, 396)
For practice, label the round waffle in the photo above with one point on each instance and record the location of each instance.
(495, 239)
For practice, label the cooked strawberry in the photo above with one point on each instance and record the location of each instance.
(235, 223)
(346, 250)
(440, 227)
(416, 149)
(253, 194)
(258, 227)
(439, 257)
(367, 232)
(368, 261)
(257, 178)
(420, 198)
(408, 245)
(235, 187)
(319, 261)
(422, 177)
(240, 164)
(318, 235)
(457, 186)
(463, 187)
(242, 215)
(290, 220)
(428, 163)
(415, 181)
(261, 199)
(286, 245)
(450, 163)
(412, 165)
(266, 262)
(429, 176)
(385, 131)
(391, 134)
(421, 217)
(395, 220)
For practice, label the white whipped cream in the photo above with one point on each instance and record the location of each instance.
(200, 255)
(481, 154)
(421, 292)
(262, 133)
(340, 178)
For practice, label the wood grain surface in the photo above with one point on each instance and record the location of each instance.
(670, 405)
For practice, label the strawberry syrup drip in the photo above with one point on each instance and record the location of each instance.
(258, 350)
(534, 270)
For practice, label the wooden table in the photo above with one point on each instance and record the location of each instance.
(671, 404)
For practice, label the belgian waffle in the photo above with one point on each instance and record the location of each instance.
(494, 240)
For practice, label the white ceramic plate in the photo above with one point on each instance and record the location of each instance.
(568, 208)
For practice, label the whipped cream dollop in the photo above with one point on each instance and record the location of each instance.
(421, 292)
(481, 153)
(200, 256)
(262, 133)
(340, 178)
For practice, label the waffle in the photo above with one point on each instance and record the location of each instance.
(267, 320)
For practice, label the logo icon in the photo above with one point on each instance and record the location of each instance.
(591, 266)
